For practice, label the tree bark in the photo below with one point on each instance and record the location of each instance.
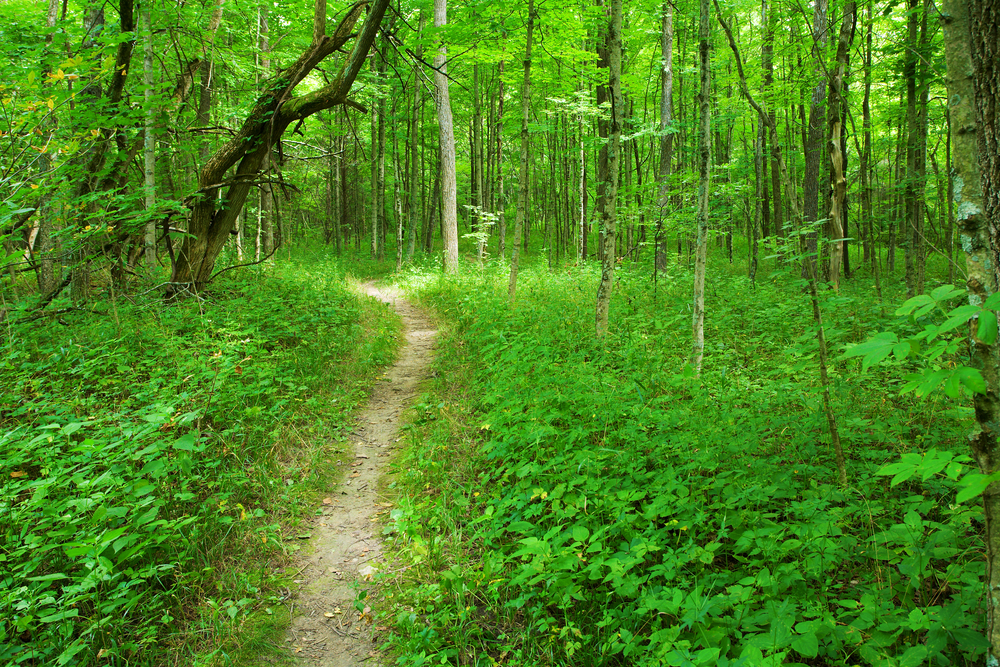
(704, 186)
(666, 133)
(272, 113)
(446, 135)
(522, 189)
(796, 216)
(501, 203)
(609, 220)
(838, 179)
(972, 52)
(813, 144)
(149, 142)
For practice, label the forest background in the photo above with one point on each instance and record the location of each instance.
(589, 481)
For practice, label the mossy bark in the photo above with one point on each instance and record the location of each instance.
(973, 90)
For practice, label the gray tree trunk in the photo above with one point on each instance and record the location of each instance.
(973, 59)
(522, 190)
(609, 220)
(704, 186)
(446, 135)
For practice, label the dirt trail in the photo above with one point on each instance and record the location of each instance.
(327, 630)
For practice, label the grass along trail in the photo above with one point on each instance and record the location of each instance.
(345, 546)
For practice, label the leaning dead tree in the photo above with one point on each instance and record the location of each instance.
(211, 220)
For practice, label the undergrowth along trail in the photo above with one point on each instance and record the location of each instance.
(565, 502)
(156, 458)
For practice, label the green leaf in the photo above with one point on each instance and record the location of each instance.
(914, 655)
(971, 379)
(72, 427)
(993, 302)
(806, 645)
(186, 442)
(910, 305)
(973, 486)
(987, 331)
(580, 533)
(874, 349)
(60, 615)
(957, 318)
(946, 292)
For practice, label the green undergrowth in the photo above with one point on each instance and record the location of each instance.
(567, 502)
(155, 459)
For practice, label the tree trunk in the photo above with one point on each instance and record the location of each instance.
(973, 60)
(777, 215)
(149, 143)
(522, 191)
(704, 187)
(813, 144)
(501, 203)
(870, 249)
(837, 173)
(831, 417)
(609, 220)
(913, 191)
(272, 113)
(666, 135)
(758, 200)
(478, 165)
(446, 137)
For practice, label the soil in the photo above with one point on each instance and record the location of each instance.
(345, 549)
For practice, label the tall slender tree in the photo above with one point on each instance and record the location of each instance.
(446, 138)
(704, 183)
(522, 190)
(609, 219)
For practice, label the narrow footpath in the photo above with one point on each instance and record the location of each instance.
(327, 630)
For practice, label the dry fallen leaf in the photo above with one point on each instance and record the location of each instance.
(19, 473)
(357, 474)
(329, 614)
(328, 501)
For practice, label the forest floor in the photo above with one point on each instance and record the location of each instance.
(345, 547)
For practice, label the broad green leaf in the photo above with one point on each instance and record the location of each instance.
(971, 379)
(973, 486)
(987, 331)
(910, 305)
(72, 427)
(185, 442)
(993, 302)
(60, 615)
(874, 349)
(957, 318)
(946, 292)
(806, 645)
(914, 655)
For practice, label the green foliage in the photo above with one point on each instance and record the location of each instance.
(613, 508)
(936, 344)
(145, 453)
